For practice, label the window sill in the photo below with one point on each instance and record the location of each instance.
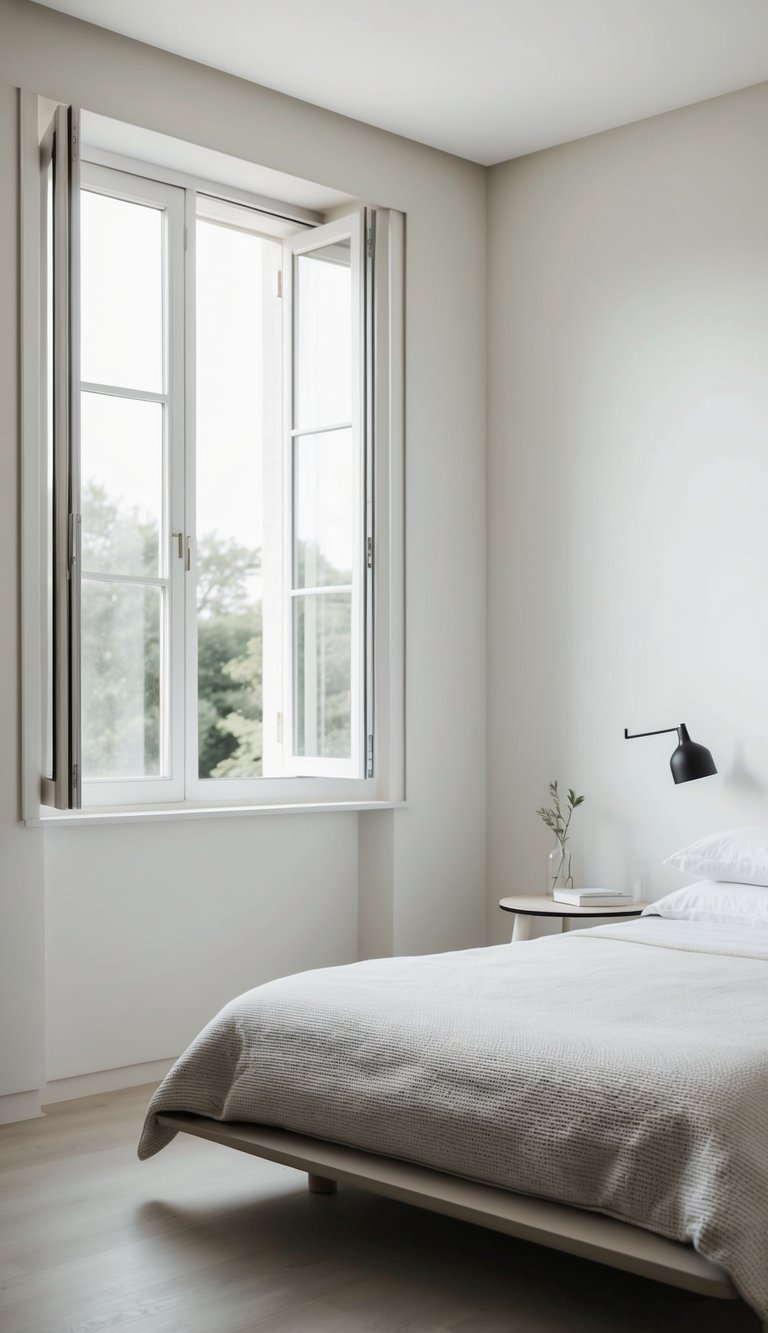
(167, 814)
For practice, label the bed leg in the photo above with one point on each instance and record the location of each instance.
(320, 1184)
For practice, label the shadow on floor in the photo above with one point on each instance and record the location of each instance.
(357, 1262)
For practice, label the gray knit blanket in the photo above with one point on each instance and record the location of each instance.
(623, 1069)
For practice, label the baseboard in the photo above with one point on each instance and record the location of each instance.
(104, 1080)
(19, 1106)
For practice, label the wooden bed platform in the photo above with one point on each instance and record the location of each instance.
(576, 1231)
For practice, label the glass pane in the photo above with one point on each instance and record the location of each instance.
(325, 510)
(122, 484)
(121, 634)
(322, 627)
(323, 350)
(238, 407)
(122, 293)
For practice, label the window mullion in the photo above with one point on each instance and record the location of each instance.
(275, 316)
(174, 510)
(368, 453)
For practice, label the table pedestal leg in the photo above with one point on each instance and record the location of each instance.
(521, 930)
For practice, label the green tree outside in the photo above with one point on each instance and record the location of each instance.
(121, 638)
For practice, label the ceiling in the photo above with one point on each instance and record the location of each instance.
(486, 79)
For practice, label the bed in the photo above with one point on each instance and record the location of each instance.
(604, 1092)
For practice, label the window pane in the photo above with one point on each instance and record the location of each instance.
(238, 406)
(121, 632)
(122, 293)
(324, 508)
(323, 311)
(122, 484)
(322, 629)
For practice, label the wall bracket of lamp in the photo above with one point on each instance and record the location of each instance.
(689, 761)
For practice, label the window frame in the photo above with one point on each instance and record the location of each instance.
(169, 200)
(49, 330)
(382, 692)
(352, 226)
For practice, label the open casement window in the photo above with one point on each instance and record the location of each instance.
(58, 458)
(207, 381)
(292, 432)
(325, 497)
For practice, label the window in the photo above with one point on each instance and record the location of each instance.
(131, 406)
(213, 627)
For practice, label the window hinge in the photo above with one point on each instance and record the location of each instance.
(279, 728)
(188, 561)
(279, 283)
(370, 241)
(73, 146)
(369, 553)
(75, 776)
(369, 758)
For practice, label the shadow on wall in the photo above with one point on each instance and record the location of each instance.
(739, 777)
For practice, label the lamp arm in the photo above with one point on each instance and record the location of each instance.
(637, 734)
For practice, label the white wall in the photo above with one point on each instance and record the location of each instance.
(628, 475)
(147, 930)
(148, 936)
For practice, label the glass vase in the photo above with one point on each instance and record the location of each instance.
(559, 875)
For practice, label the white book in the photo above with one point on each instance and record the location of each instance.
(593, 897)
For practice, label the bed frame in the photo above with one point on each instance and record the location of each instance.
(574, 1230)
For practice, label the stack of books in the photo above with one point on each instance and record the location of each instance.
(593, 897)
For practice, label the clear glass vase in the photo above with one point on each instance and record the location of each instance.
(559, 875)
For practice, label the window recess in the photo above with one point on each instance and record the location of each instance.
(211, 618)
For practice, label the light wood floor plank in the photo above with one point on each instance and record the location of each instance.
(204, 1240)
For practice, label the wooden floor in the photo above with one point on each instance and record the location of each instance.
(204, 1240)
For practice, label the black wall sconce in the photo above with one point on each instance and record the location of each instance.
(689, 760)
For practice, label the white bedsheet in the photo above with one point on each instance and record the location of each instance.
(623, 1068)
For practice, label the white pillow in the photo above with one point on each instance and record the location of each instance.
(739, 856)
(745, 904)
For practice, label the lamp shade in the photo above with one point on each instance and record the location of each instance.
(689, 760)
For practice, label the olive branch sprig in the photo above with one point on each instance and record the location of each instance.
(555, 818)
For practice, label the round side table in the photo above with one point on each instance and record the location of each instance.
(525, 909)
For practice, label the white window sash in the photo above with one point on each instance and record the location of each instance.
(169, 787)
(351, 226)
